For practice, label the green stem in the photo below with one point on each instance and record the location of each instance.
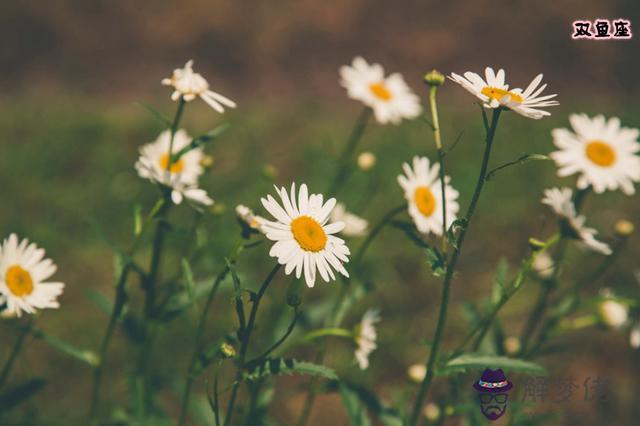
(118, 306)
(344, 166)
(438, 139)
(442, 316)
(191, 376)
(17, 347)
(246, 336)
(335, 318)
(174, 129)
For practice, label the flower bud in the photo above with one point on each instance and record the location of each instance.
(269, 171)
(434, 78)
(366, 160)
(512, 345)
(227, 350)
(543, 266)
(432, 412)
(207, 161)
(613, 314)
(624, 228)
(417, 372)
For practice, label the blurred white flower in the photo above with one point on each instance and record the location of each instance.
(188, 85)
(23, 271)
(304, 240)
(416, 372)
(366, 337)
(543, 265)
(254, 221)
(613, 313)
(182, 176)
(389, 97)
(493, 92)
(423, 192)
(634, 335)
(559, 199)
(601, 151)
(366, 160)
(354, 226)
(432, 412)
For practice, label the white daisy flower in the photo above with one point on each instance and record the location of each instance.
(252, 220)
(560, 201)
(366, 337)
(354, 226)
(601, 151)
(23, 271)
(188, 85)
(389, 97)
(182, 176)
(304, 238)
(494, 93)
(423, 192)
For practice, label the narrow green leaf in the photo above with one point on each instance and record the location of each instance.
(411, 232)
(101, 301)
(521, 160)
(356, 412)
(437, 261)
(137, 219)
(187, 273)
(86, 356)
(202, 139)
(458, 224)
(474, 360)
(500, 280)
(157, 115)
(20, 393)
(278, 366)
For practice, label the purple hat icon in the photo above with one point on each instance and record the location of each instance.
(493, 381)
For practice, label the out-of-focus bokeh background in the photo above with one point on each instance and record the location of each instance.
(72, 71)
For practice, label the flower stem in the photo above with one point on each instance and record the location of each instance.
(442, 316)
(335, 318)
(344, 167)
(191, 376)
(120, 299)
(245, 337)
(17, 347)
(438, 139)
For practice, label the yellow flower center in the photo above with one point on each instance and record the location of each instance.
(498, 94)
(176, 166)
(308, 233)
(18, 281)
(425, 201)
(601, 153)
(380, 90)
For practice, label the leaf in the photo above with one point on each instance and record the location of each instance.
(157, 115)
(188, 278)
(437, 261)
(356, 412)
(387, 415)
(521, 160)
(137, 219)
(103, 302)
(458, 224)
(278, 366)
(20, 393)
(500, 280)
(411, 232)
(474, 360)
(202, 139)
(86, 356)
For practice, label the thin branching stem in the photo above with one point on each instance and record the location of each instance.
(15, 351)
(442, 315)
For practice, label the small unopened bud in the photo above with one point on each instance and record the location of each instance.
(613, 314)
(512, 345)
(269, 171)
(366, 160)
(434, 78)
(207, 160)
(416, 372)
(543, 265)
(218, 208)
(449, 410)
(227, 350)
(432, 412)
(624, 228)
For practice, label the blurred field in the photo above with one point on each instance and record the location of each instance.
(68, 183)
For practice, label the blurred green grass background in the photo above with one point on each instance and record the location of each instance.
(68, 183)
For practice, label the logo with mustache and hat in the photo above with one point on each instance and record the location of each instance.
(492, 392)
